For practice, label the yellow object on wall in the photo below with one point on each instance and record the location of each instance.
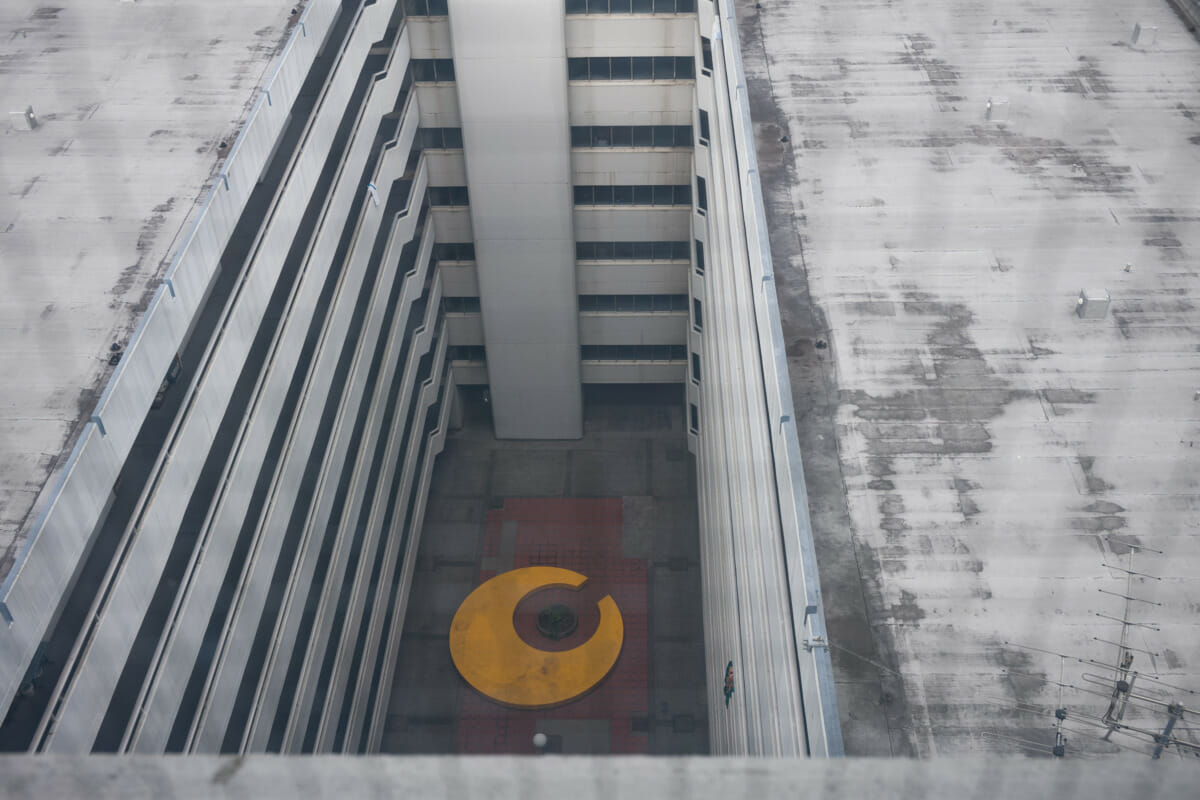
(493, 658)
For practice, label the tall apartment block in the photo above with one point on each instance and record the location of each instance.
(429, 199)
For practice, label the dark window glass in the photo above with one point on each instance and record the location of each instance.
(623, 302)
(664, 136)
(622, 136)
(438, 8)
(701, 195)
(597, 6)
(693, 418)
(664, 68)
(581, 136)
(603, 195)
(604, 251)
(695, 368)
(583, 195)
(685, 68)
(577, 69)
(706, 53)
(599, 69)
(697, 316)
(585, 251)
(643, 6)
(700, 256)
(683, 196)
(679, 251)
(576, 6)
(664, 6)
(664, 195)
(643, 136)
(423, 70)
(601, 136)
(660, 251)
(619, 6)
(683, 135)
(621, 69)
(623, 195)
(452, 138)
(643, 67)
(643, 251)
(623, 250)
(643, 195)
(703, 126)
(685, 6)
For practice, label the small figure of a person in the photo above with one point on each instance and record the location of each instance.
(728, 683)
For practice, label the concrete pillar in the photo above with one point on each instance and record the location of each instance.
(511, 69)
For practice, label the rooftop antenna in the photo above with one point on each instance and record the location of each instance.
(1123, 675)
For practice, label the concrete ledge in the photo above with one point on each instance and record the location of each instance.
(584, 778)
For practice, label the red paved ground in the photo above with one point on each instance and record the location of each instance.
(583, 535)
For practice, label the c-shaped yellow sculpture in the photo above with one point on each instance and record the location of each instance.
(495, 660)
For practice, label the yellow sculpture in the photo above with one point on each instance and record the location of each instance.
(493, 658)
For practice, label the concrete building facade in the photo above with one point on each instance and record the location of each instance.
(426, 195)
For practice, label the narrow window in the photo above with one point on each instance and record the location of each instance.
(706, 54)
(695, 368)
(697, 317)
(703, 126)
(693, 418)
(699, 257)
(701, 195)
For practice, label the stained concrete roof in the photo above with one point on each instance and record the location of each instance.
(977, 453)
(132, 101)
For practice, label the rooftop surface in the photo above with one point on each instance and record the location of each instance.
(132, 101)
(976, 453)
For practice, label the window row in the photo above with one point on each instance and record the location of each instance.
(631, 6)
(631, 135)
(448, 196)
(461, 305)
(426, 8)
(454, 251)
(633, 352)
(441, 138)
(466, 352)
(636, 68)
(631, 251)
(432, 70)
(633, 195)
(633, 302)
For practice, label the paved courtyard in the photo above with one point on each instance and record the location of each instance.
(617, 506)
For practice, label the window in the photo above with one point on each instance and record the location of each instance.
(701, 195)
(454, 251)
(633, 195)
(706, 54)
(641, 303)
(441, 138)
(426, 8)
(627, 6)
(631, 251)
(633, 352)
(621, 68)
(699, 257)
(697, 317)
(432, 70)
(703, 126)
(461, 305)
(693, 418)
(462, 352)
(448, 196)
(695, 368)
(626, 135)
